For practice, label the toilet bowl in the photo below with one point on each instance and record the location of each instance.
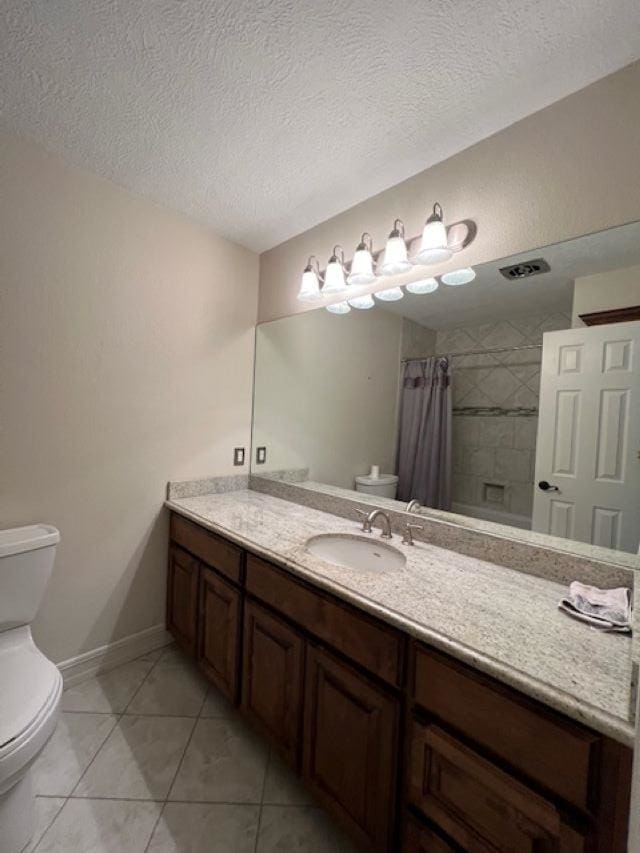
(31, 685)
(384, 486)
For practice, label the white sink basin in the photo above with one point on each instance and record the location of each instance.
(355, 552)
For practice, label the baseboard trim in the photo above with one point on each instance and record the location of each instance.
(113, 654)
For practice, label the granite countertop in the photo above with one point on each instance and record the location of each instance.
(503, 622)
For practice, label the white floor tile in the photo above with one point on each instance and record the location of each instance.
(46, 808)
(216, 828)
(109, 692)
(138, 760)
(224, 762)
(101, 826)
(299, 830)
(175, 688)
(70, 751)
(282, 786)
(217, 705)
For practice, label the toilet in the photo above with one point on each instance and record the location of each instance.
(30, 684)
(384, 486)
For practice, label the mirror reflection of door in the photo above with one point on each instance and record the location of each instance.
(587, 478)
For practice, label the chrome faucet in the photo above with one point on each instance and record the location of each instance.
(386, 523)
(407, 539)
(413, 506)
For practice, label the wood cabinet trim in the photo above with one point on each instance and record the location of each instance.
(376, 647)
(213, 550)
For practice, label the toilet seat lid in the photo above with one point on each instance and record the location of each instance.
(28, 679)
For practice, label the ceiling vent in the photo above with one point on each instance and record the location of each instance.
(525, 269)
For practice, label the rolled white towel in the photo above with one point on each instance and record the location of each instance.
(606, 609)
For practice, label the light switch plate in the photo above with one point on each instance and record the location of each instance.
(238, 455)
(261, 455)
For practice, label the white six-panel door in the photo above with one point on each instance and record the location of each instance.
(589, 436)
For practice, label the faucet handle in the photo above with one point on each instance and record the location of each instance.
(407, 539)
(366, 524)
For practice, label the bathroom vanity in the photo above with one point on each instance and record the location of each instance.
(417, 732)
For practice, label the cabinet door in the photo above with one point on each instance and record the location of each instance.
(272, 678)
(182, 598)
(219, 633)
(480, 806)
(350, 748)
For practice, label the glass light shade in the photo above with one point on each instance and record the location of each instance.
(461, 276)
(310, 286)
(425, 285)
(361, 268)
(392, 294)
(433, 245)
(338, 308)
(362, 302)
(333, 278)
(395, 257)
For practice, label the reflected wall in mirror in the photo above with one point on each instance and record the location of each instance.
(494, 400)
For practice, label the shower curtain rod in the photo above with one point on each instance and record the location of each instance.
(473, 352)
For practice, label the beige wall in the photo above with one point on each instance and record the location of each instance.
(603, 291)
(326, 393)
(567, 170)
(126, 345)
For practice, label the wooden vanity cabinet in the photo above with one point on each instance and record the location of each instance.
(219, 632)
(350, 747)
(272, 679)
(410, 750)
(182, 598)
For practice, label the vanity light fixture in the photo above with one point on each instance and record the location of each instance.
(362, 302)
(433, 245)
(424, 285)
(310, 284)
(395, 254)
(339, 308)
(456, 277)
(334, 274)
(362, 263)
(392, 294)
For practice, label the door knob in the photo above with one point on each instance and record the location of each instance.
(547, 487)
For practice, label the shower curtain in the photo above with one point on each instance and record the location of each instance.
(423, 452)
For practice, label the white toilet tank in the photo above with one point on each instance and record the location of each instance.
(26, 561)
(385, 486)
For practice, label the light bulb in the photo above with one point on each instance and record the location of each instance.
(338, 308)
(392, 294)
(362, 302)
(362, 263)
(433, 245)
(457, 277)
(310, 284)
(334, 274)
(425, 285)
(395, 254)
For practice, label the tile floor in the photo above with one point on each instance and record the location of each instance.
(147, 758)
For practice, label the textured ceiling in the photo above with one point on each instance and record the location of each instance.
(265, 117)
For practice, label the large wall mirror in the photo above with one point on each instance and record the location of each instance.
(513, 399)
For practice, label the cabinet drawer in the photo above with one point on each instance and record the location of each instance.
(558, 754)
(480, 806)
(211, 549)
(371, 644)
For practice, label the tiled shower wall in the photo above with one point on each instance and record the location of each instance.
(495, 406)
